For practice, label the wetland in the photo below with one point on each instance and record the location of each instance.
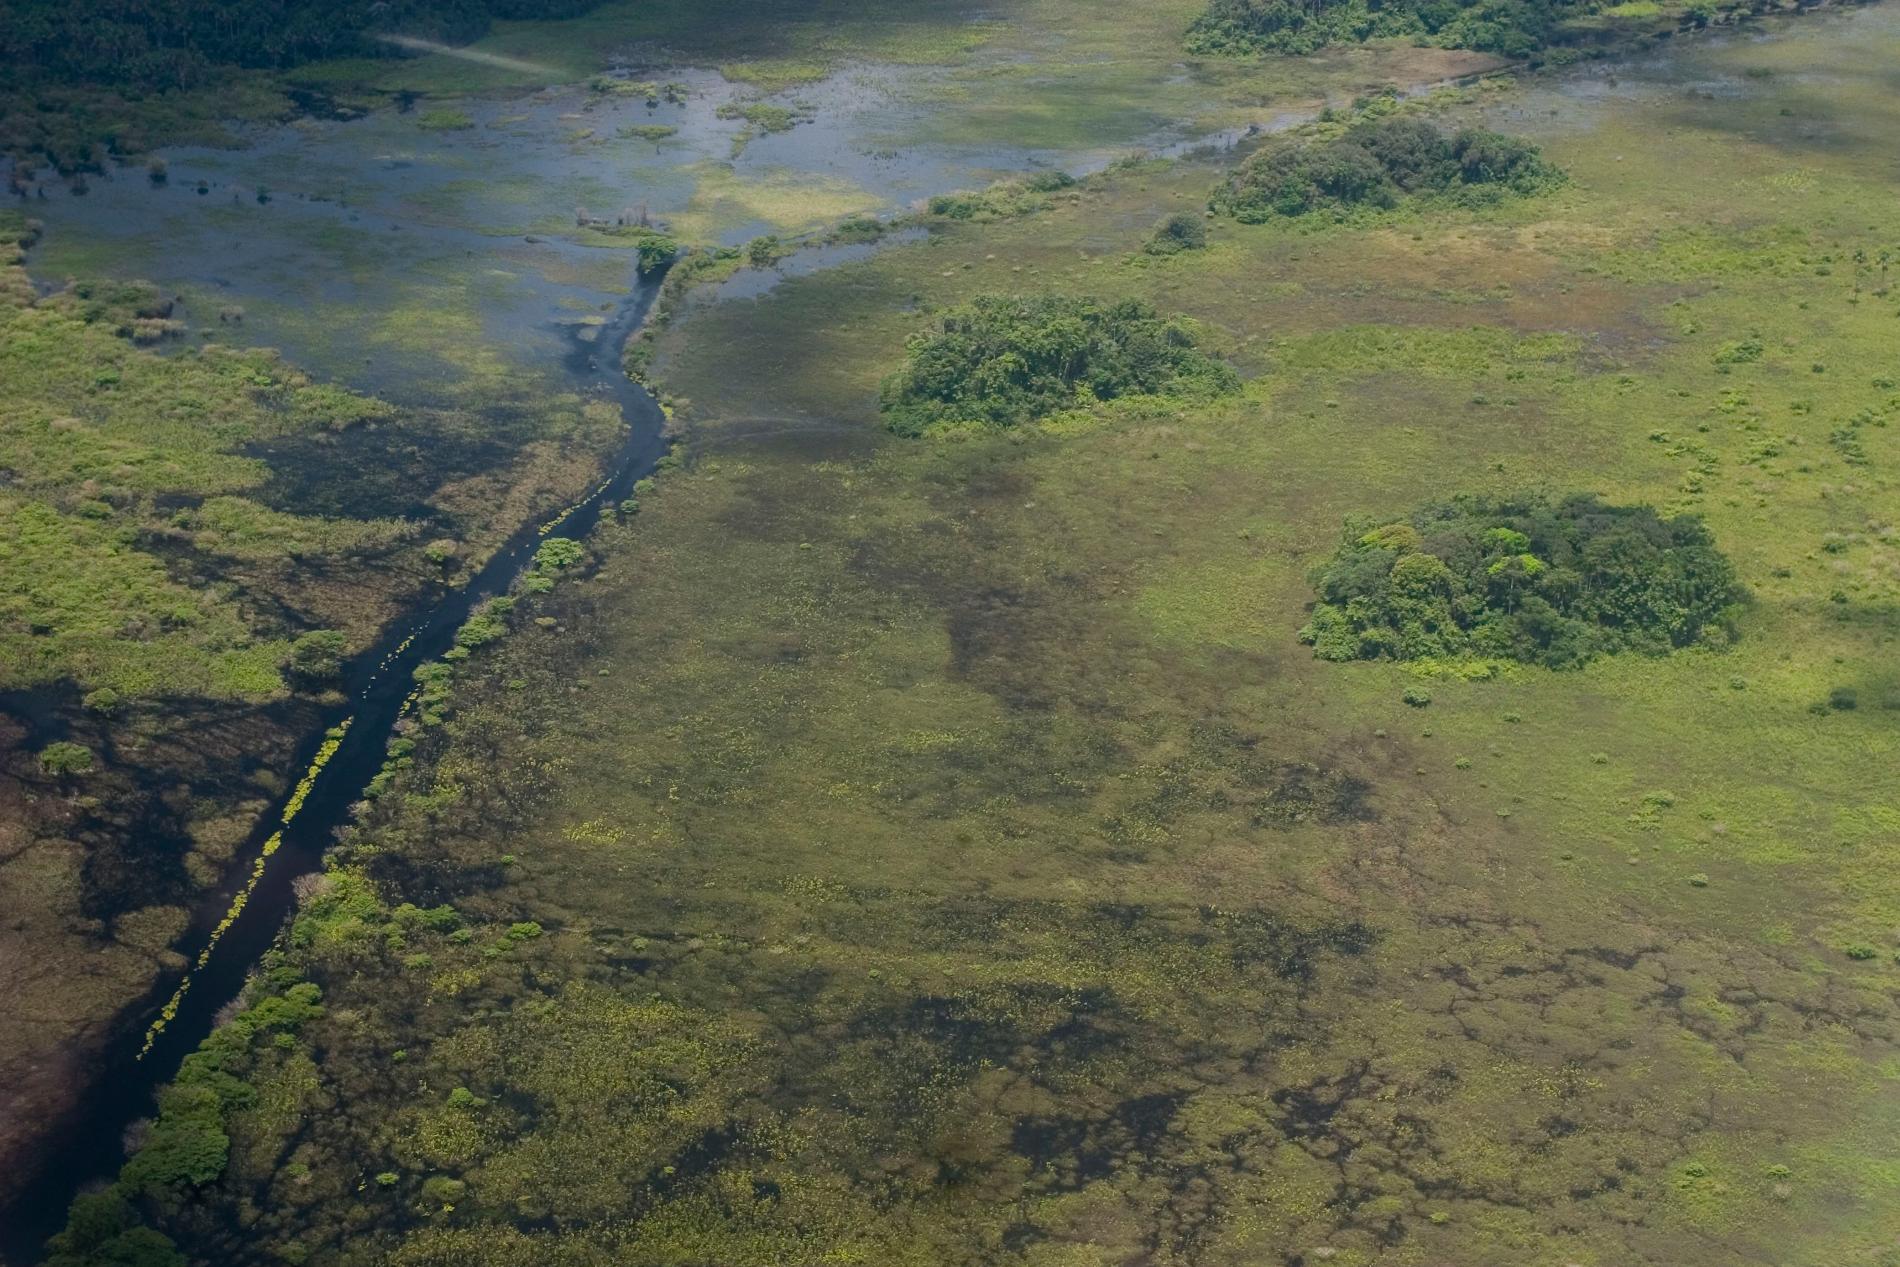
(1059, 721)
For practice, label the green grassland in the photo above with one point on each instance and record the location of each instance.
(943, 851)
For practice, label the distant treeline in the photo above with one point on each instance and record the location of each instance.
(1381, 164)
(83, 79)
(1515, 28)
(161, 45)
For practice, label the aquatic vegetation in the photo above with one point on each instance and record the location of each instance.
(927, 853)
(1005, 198)
(1555, 583)
(1378, 164)
(1005, 361)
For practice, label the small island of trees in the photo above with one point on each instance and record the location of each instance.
(1552, 583)
(1380, 164)
(1005, 360)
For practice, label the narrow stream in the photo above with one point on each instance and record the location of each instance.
(88, 1147)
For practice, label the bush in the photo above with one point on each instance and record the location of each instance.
(557, 553)
(1378, 164)
(64, 758)
(318, 655)
(1554, 583)
(1176, 233)
(1005, 361)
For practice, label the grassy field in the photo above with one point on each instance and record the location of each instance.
(943, 851)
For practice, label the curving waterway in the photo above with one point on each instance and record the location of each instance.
(231, 931)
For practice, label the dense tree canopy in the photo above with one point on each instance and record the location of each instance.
(87, 75)
(1515, 28)
(1547, 582)
(158, 45)
(1006, 360)
(1380, 163)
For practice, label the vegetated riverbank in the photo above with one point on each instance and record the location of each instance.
(945, 851)
(231, 928)
(198, 536)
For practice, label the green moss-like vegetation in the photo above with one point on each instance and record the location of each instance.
(1380, 163)
(1005, 361)
(1555, 583)
(763, 115)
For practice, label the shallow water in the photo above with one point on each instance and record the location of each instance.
(391, 252)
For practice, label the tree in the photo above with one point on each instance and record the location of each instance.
(1379, 163)
(102, 1230)
(763, 252)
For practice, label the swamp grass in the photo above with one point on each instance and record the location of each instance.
(943, 850)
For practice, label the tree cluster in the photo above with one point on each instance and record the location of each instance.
(1380, 164)
(159, 45)
(1515, 28)
(87, 74)
(1548, 582)
(1006, 360)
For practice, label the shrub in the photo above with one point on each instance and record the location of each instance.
(1378, 164)
(1005, 361)
(318, 655)
(557, 553)
(64, 758)
(1176, 233)
(1004, 199)
(1554, 583)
